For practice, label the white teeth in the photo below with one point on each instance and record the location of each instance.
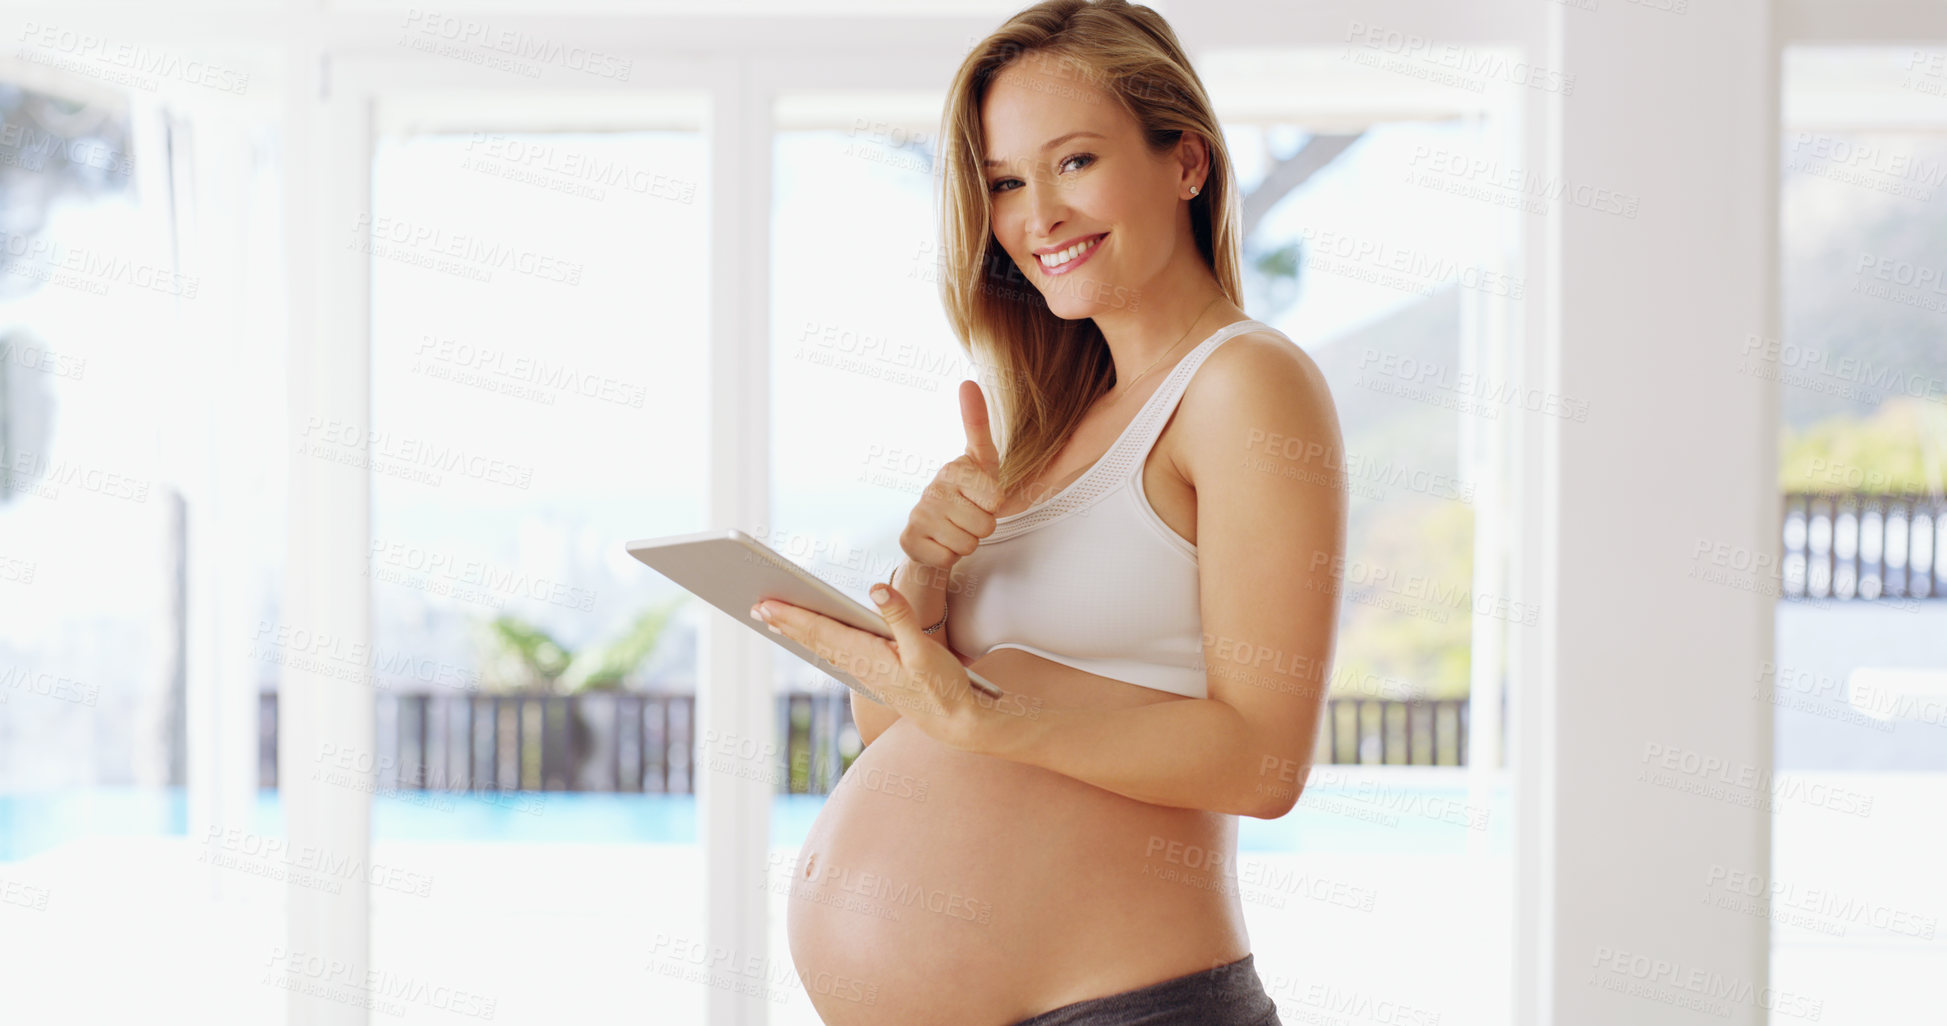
(1058, 259)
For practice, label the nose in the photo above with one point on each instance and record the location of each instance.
(1046, 210)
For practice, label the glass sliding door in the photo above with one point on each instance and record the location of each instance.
(1856, 684)
(540, 345)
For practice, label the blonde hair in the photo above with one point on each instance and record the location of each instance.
(1044, 372)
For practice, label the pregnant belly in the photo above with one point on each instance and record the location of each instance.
(938, 885)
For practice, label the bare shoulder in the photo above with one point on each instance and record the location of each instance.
(1257, 391)
(1250, 356)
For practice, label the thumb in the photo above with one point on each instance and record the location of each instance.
(898, 614)
(980, 435)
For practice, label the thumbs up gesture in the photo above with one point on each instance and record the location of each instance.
(956, 510)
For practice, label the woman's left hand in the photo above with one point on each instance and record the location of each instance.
(914, 674)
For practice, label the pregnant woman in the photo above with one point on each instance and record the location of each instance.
(1147, 567)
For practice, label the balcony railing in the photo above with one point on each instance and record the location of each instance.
(632, 742)
(612, 741)
(1853, 545)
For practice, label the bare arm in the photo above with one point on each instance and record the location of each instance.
(1271, 527)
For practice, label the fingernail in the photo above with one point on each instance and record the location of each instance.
(880, 594)
(757, 612)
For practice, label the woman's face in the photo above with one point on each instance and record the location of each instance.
(1097, 204)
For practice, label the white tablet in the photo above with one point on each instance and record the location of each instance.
(733, 572)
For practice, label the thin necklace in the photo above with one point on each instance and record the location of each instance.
(1171, 349)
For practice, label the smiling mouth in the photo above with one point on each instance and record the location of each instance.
(1072, 257)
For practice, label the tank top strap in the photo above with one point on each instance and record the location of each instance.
(1155, 413)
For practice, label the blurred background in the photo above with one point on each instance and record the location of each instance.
(342, 347)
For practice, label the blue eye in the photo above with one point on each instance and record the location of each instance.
(997, 183)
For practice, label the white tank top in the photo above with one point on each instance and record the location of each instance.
(1091, 577)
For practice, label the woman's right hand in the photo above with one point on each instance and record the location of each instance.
(956, 510)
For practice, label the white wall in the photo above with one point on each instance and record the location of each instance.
(1642, 669)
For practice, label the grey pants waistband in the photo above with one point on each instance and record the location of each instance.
(1226, 995)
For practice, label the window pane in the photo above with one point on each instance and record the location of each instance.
(91, 685)
(1853, 894)
(540, 339)
(142, 532)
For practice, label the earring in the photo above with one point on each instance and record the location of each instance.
(1193, 190)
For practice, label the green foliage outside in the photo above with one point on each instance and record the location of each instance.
(1900, 447)
(1396, 647)
(519, 656)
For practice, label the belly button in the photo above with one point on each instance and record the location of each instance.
(810, 861)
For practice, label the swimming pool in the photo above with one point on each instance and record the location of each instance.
(1348, 815)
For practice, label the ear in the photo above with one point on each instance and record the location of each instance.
(1193, 159)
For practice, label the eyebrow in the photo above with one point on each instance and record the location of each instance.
(1049, 145)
